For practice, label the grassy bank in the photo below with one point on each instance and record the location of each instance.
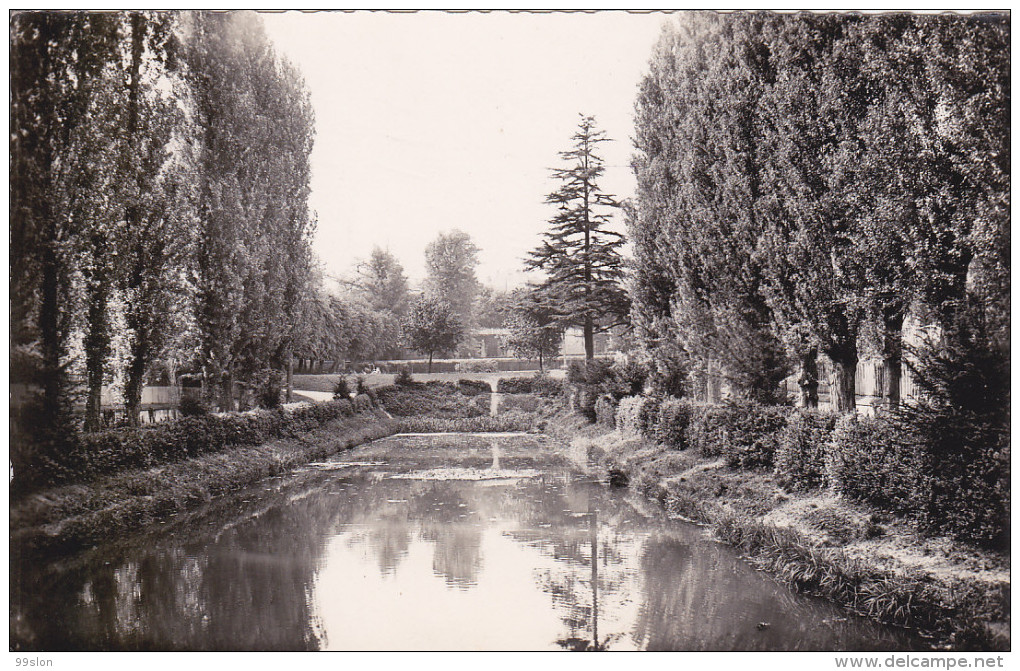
(132, 479)
(866, 560)
(72, 517)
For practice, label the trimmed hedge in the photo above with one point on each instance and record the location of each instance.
(114, 450)
(638, 414)
(440, 399)
(539, 384)
(473, 387)
(628, 414)
(745, 432)
(672, 422)
(708, 430)
(519, 402)
(801, 448)
(512, 421)
(648, 417)
(869, 460)
(482, 366)
(951, 481)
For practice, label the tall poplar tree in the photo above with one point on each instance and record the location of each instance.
(58, 61)
(699, 279)
(580, 253)
(253, 184)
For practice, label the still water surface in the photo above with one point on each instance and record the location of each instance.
(426, 542)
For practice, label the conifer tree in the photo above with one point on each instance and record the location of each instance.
(580, 254)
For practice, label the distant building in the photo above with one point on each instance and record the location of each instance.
(488, 343)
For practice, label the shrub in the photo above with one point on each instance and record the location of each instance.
(362, 403)
(539, 384)
(966, 459)
(514, 385)
(629, 378)
(341, 389)
(434, 398)
(360, 386)
(545, 385)
(404, 377)
(107, 452)
(585, 398)
(707, 429)
(753, 432)
(869, 460)
(668, 371)
(269, 389)
(605, 411)
(512, 421)
(801, 448)
(744, 431)
(672, 423)
(473, 387)
(628, 413)
(962, 427)
(593, 372)
(519, 403)
(648, 415)
(193, 406)
(483, 366)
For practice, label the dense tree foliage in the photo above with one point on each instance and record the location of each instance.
(450, 262)
(256, 136)
(159, 215)
(491, 307)
(60, 72)
(382, 279)
(803, 179)
(532, 328)
(701, 184)
(580, 253)
(431, 327)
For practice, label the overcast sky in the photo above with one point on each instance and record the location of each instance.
(432, 121)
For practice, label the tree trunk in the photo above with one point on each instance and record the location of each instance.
(589, 338)
(135, 380)
(227, 393)
(842, 389)
(97, 347)
(893, 354)
(430, 362)
(713, 385)
(808, 380)
(52, 339)
(290, 376)
(140, 350)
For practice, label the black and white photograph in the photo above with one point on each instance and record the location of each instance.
(510, 331)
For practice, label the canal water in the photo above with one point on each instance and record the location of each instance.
(448, 542)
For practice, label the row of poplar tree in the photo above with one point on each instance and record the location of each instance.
(159, 184)
(807, 182)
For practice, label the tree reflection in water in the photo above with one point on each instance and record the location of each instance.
(570, 564)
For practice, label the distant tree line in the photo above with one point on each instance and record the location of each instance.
(159, 216)
(807, 182)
